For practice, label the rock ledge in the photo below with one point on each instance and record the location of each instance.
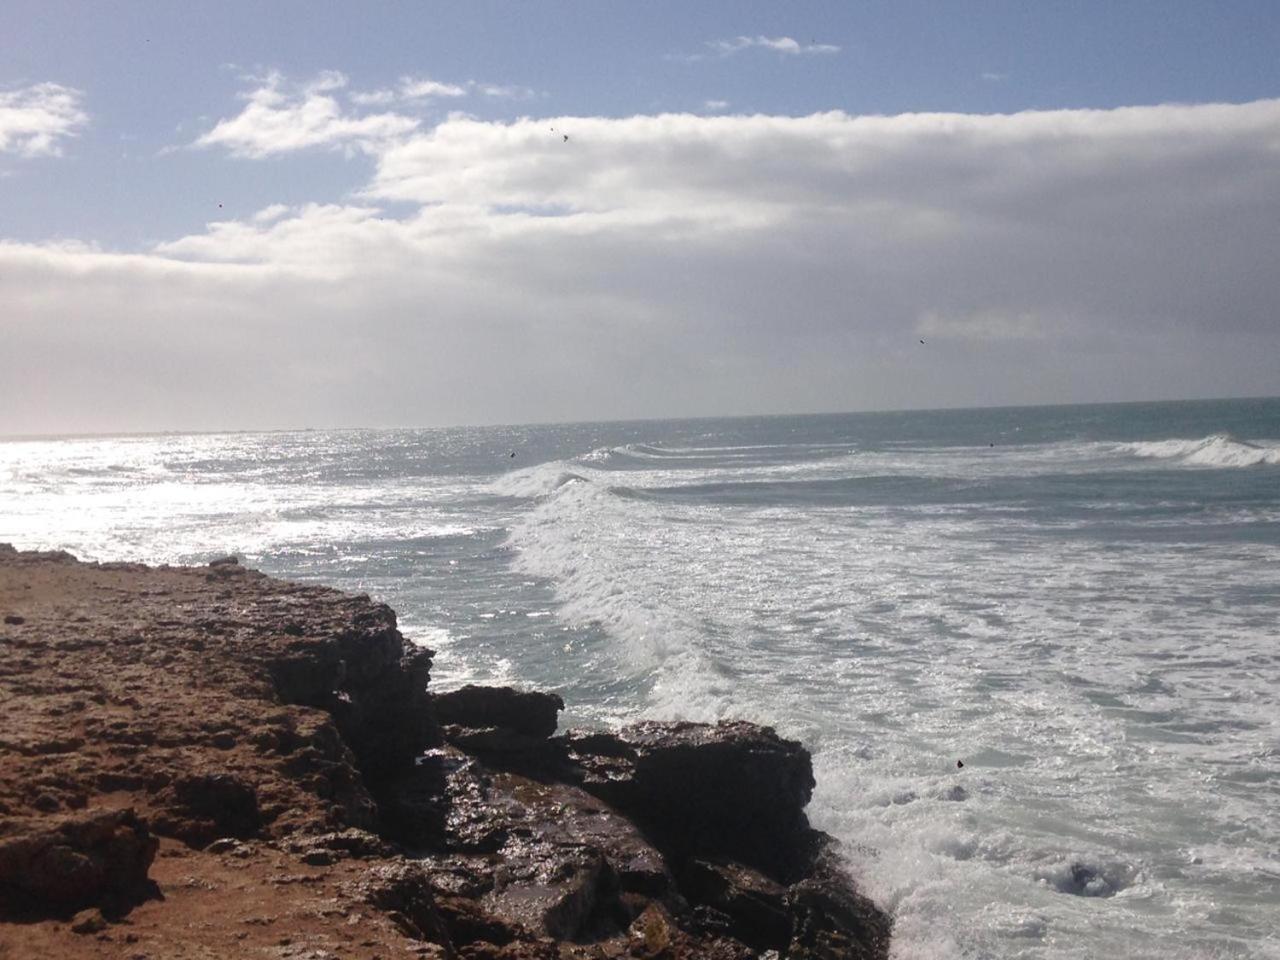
(206, 761)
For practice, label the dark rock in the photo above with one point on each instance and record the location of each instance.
(755, 908)
(295, 728)
(566, 860)
(373, 683)
(507, 749)
(88, 921)
(99, 859)
(200, 808)
(404, 890)
(731, 790)
(351, 843)
(831, 920)
(14, 620)
(530, 713)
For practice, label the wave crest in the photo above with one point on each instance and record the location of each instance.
(542, 480)
(1217, 450)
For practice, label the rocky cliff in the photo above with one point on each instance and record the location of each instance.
(207, 762)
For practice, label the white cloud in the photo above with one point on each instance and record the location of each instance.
(279, 118)
(505, 91)
(416, 88)
(678, 264)
(35, 120)
(785, 45)
(715, 106)
(422, 88)
(373, 98)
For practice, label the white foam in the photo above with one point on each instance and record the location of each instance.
(1218, 450)
(1114, 699)
(541, 480)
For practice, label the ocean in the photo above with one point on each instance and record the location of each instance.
(1080, 604)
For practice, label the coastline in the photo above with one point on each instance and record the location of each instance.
(205, 761)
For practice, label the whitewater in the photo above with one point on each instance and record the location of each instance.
(1079, 604)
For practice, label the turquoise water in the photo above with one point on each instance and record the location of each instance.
(1079, 602)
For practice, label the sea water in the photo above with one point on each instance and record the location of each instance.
(1080, 604)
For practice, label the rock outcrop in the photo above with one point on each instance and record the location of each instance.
(212, 759)
(76, 861)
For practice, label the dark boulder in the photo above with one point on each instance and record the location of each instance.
(831, 920)
(754, 907)
(731, 790)
(530, 713)
(100, 859)
(201, 807)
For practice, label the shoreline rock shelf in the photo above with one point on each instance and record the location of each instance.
(205, 762)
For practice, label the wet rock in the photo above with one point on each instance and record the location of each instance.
(567, 861)
(831, 920)
(404, 890)
(506, 749)
(352, 843)
(755, 907)
(97, 859)
(731, 790)
(530, 713)
(1081, 879)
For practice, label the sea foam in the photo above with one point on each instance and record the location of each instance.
(1218, 450)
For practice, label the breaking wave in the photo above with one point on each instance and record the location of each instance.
(1218, 450)
(543, 480)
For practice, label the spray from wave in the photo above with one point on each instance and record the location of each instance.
(594, 546)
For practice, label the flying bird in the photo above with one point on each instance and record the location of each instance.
(922, 341)
(566, 138)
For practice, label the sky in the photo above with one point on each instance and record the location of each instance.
(254, 216)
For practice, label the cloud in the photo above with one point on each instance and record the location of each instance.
(36, 120)
(281, 118)
(715, 106)
(421, 88)
(504, 91)
(993, 77)
(734, 45)
(677, 264)
(417, 88)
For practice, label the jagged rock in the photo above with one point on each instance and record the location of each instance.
(88, 921)
(371, 681)
(404, 890)
(733, 789)
(200, 808)
(531, 713)
(831, 920)
(754, 906)
(289, 728)
(99, 858)
(353, 843)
